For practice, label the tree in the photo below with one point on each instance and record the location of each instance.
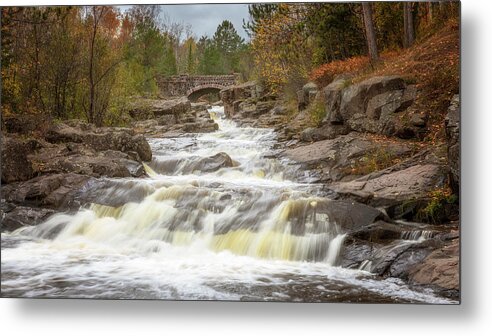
(370, 34)
(228, 43)
(210, 58)
(102, 61)
(409, 30)
(257, 12)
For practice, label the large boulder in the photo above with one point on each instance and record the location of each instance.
(306, 95)
(80, 159)
(15, 165)
(337, 158)
(57, 191)
(144, 109)
(100, 139)
(452, 123)
(232, 96)
(14, 217)
(376, 105)
(440, 268)
(404, 192)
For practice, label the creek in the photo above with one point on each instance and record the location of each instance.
(195, 229)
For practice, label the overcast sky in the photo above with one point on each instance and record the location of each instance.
(204, 19)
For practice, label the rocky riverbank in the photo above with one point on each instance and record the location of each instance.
(388, 188)
(369, 149)
(45, 174)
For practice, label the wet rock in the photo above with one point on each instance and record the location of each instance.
(407, 260)
(379, 231)
(56, 191)
(112, 192)
(452, 123)
(349, 215)
(440, 268)
(15, 165)
(213, 163)
(14, 217)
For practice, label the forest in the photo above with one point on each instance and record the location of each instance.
(110, 56)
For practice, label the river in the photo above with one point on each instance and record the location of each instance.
(248, 231)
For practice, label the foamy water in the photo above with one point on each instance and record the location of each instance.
(246, 232)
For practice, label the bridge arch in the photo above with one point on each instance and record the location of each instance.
(180, 85)
(197, 91)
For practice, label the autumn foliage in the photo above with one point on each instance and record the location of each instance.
(324, 74)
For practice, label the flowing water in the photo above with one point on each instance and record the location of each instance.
(201, 227)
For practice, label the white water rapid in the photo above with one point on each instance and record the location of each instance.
(217, 219)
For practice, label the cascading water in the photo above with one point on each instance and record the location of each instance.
(216, 219)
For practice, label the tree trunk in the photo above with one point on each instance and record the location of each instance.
(370, 34)
(90, 117)
(429, 12)
(409, 31)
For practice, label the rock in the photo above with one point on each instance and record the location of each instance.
(379, 231)
(333, 98)
(324, 132)
(402, 193)
(452, 123)
(144, 109)
(440, 268)
(374, 105)
(336, 157)
(280, 110)
(355, 252)
(15, 165)
(349, 215)
(17, 217)
(200, 127)
(57, 191)
(213, 163)
(232, 96)
(22, 124)
(246, 108)
(80, 159)
(197, 107)
(145, 124)
(264, 107)
(166, 120)
(103, 138)
(306, 95)
(401, 266)
(417, 120)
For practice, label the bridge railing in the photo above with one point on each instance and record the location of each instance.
(179, 85)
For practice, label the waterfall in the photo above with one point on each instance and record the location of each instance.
(217, 217)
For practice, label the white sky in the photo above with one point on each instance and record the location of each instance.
(204, 18)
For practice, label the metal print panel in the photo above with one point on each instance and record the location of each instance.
(294, 152)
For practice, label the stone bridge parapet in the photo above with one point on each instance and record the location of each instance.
(184, 85)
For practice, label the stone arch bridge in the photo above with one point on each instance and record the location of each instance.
(194, 87)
